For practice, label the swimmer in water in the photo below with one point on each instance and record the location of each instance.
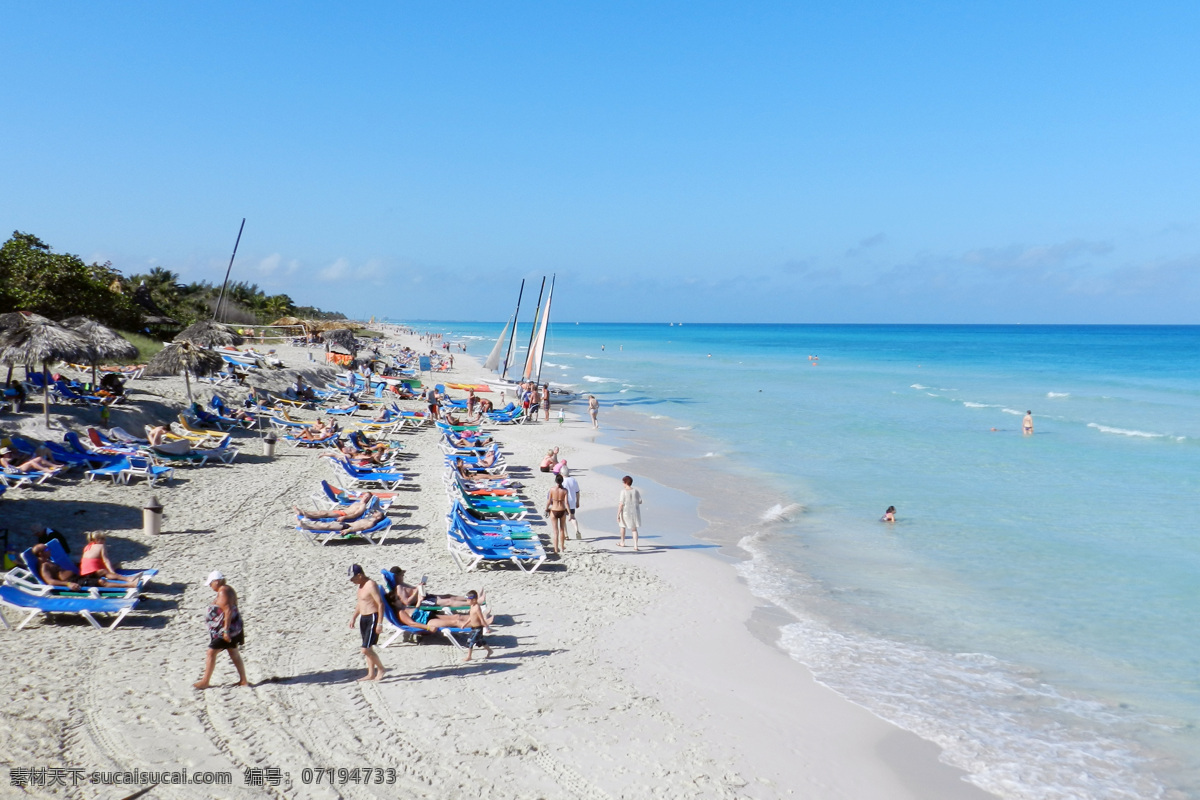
(889, 515)
(1027, 423)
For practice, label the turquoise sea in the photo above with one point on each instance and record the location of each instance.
(1034, 608)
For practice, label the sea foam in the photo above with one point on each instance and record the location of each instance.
(1125, 431)
(997, 722)
(780, 512)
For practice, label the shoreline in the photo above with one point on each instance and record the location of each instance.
(886, 760)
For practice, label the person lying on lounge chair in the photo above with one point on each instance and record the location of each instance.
(487, 460)
(363, 443)
(54, 575)
(156, 435)
(472, 472)
(450, 419)
(415, 595)
(460, 620)
(465, 439)
(345, 514)
(367, 520)
(317, 431)
(19, 462)
(357, 457)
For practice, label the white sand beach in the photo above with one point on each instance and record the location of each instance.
(615, 675)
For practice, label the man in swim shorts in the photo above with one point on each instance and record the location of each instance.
(368, 613)
(342, 513)
(1027, 423)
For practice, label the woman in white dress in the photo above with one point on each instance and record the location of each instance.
(629, 512)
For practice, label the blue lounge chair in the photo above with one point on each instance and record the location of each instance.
(86, 607)
(116, 470)
(471, 551)
(394, 622)
(366, 478)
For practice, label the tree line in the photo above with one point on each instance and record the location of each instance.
(58, 285)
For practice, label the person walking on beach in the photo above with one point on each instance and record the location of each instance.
(224, 630)
(368, 613)
(594, 410)
(629, 511)
(477, 624)
(546, 402)
(572, 486)
(556, 511)
(1027, 423)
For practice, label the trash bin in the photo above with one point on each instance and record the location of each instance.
(152, 514)
(269, 444)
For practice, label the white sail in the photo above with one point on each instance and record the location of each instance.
(512, 353)
(533, 364)
(493, 359)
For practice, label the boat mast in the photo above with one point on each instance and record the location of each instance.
(513, 335)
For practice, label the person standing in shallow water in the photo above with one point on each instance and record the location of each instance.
(629, 511)
(1027, 423)
(889, 515)
(594, 410)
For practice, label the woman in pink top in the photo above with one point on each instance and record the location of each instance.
(94, 561)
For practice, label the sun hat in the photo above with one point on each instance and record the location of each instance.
(215, 575)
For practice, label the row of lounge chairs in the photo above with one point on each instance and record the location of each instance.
(485, 525)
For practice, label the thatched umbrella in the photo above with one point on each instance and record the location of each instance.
(41, 342)
(186, 357)
(343, 337)
(105, 342)
(209, 334)
(11, 320)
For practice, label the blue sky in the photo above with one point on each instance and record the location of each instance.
(799, 162)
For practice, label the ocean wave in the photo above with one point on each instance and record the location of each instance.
(591, 358)
(918, 386)
(1012, 411)
(623, 391)
(1126, 432)
(780, 513)
(598, 379)
(970, 404)
(709, 454)
(684, 428)
(1058, 394)
(656, 416)
(1013, 734)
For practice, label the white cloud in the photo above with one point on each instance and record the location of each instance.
(374, 271)
(269, 264)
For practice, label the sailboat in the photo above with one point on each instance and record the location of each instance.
(535, 354)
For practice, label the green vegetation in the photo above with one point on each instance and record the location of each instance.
(244, 303)
(60, 285)
(147, 346)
